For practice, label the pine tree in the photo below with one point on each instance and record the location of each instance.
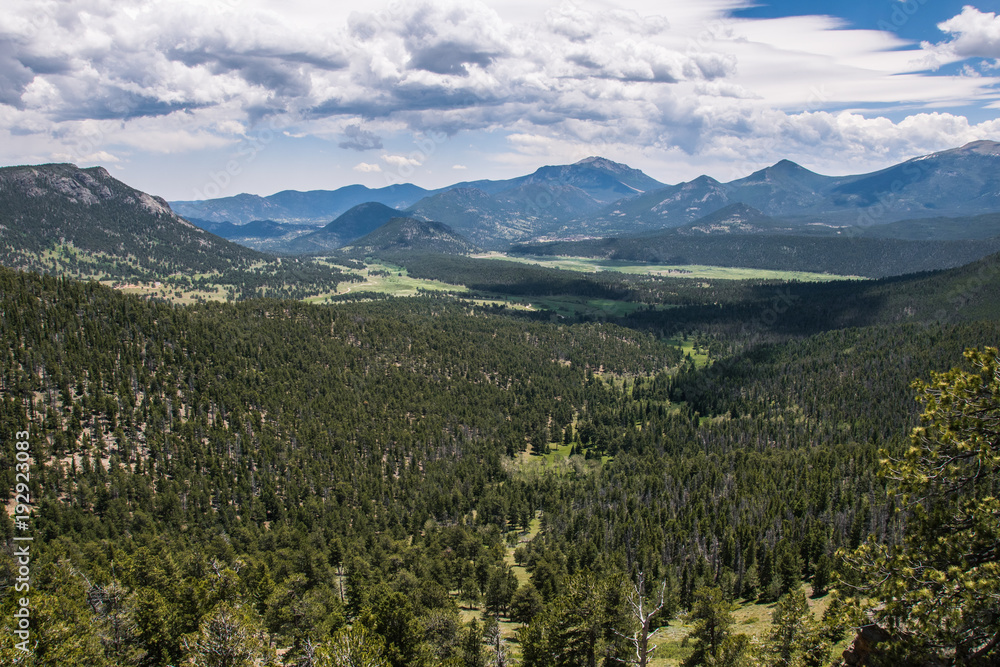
(353, 647)
(577, 627)
(525, 604)
(712, 617)
(473, 654)
(230, 636)
(821, 577)
(939, 590)
(789, 625)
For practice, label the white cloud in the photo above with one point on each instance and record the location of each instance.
(459, 167)
(400, 161)
(366, 167)
(975, 34)
(661, 81)
(100, 157)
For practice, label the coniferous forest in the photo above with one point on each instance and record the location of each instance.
(273, 482)
(576, 333)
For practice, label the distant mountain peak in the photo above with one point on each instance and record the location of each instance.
(368, 206)
(702, 181)
(783, 169)
(603, 163)
(787, 165)
(634, 176)
(981, 147)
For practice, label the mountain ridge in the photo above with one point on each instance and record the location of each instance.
(62, 209)
(62, 220)
(596, 196)
(510, 207)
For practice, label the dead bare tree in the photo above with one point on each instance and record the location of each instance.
(643, 611)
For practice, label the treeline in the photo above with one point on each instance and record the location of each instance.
(746, 314)
(492, 277)
(738, 314)
(846, 256)
(506, 277)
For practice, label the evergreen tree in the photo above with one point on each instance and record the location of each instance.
(751, 582)
(469, 591)
(577, 627)
(821, 577)
(473, 654)
(939, 590)
(712, 617)
(353, 647)
(391, 615)
(230, 636)
(789, 626)
(500, 587)
(525, 604)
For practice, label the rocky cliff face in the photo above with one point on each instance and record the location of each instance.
(79, 186)
(57, 213)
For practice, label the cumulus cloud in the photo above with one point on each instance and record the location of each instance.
(687, 79)
(14, 75)
(974, 34)
(858, 139)
(401, 161)
(366, 167)
(100, 157)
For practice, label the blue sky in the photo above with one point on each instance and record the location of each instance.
(193, 100)
(915, 21)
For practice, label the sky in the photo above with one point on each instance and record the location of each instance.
(212, 98)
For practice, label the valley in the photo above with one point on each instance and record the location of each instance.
(499, 334)
(403, 441)
(693, 271)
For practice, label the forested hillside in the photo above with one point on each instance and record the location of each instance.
(196, 436)
(66, 221)
(91, 213)
(323, 480)
(401, 234)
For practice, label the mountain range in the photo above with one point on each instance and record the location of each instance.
(928, 213)
(291, 206)
(956, 182)
(492, 213)
(599, 197)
